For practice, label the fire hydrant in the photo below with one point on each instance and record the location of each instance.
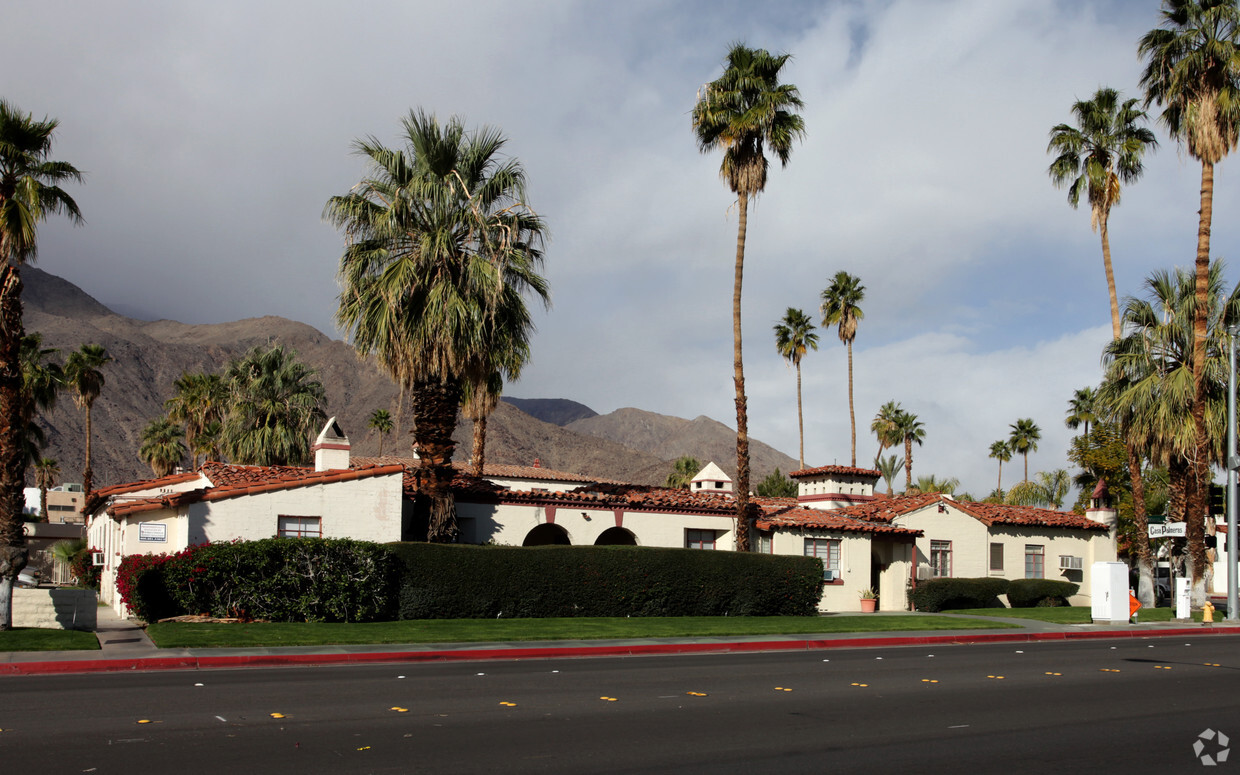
(1207, 612)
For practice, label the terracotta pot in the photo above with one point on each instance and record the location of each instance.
(869, 605)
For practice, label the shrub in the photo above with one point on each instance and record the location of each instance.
(936, 595)
(280, 579)
(1043, 593)
(457, 581)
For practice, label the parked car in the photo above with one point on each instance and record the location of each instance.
(28, 578)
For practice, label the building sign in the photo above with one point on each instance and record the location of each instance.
(152, 532)
(1169, 530)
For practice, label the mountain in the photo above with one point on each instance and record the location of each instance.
(629, 445)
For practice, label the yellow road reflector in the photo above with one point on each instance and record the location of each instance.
(364, 748)
(696, 694)
(144, 721)
(399, 710)
(277, 715)
(509, 704)
(996, 677)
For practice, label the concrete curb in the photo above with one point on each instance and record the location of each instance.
(190, 662)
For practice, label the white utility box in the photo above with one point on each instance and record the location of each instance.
(1109, 592)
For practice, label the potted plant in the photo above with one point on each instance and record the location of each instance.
(869, 600)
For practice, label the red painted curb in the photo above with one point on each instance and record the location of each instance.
(569, 652)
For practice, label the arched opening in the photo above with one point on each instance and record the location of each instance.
(547, 535)
(616, 536)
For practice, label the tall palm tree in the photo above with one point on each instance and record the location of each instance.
(1193, 72)
(910, 430)
(885, 426)
(683, 470)
(84, 378)
(1103, 151)
(744, 112)
(1001, 451)
(888, 467)
(479, 399)
(841, 306)
(1024, 439)
(276, 405)
(1082, 409)
(441, 247)
(42, 380)
(794, 336)
(200, 402)
(1149, 387)
(30, 191)
(46, 472)
(381, 422)
(932, 483)
(163, 446)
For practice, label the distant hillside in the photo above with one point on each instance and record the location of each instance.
(149, 356)
(557, 411)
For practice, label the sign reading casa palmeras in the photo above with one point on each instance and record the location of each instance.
(1169, 530)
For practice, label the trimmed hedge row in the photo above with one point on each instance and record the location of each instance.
(279, 579)
(936, 595)
(468, 582)
(1042, 593)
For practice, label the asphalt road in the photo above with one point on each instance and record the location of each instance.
(1099, 706)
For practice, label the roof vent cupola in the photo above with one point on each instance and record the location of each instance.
(331, 448)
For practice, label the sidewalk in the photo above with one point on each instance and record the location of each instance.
(126, 648)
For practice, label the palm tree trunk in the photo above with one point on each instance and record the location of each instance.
(43, 502)
(852, 417)
(1195, 506)
(908, 464)
(999, 486)
(480, 445)
(13, 554)
(1026, 456)
(435, 404)
(1116, 330)
(738, 372)
(1141, 527)
(800, 419)
(87, 473)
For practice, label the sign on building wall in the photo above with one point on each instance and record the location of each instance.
(1169, 530)
(152, 532)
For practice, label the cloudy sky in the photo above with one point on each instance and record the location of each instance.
(213, 133)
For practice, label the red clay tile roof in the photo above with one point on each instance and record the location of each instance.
(498, 470)
(250, 481)
(97, 497)
(986, 513)
(630, 497)
(839, 470)
(780, 515)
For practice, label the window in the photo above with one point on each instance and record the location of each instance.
(996, 558)
(941, 559)
(300, 527)
(764, 543)
(699, 539)
(827, 550)
(1034, 561)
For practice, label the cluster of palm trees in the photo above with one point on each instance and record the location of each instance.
(261, 409)
(894, 425)
(1192, 72)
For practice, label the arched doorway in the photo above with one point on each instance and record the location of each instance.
(616, 536)
(547, 534)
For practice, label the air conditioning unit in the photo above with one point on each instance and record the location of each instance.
(96, 558)
(1067, 562)
(830, 575)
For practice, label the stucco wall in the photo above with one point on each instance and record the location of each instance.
(55, 609)
(509, 524)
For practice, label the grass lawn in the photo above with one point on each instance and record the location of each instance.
(189, 635)
(1072, 614)
(32, 639)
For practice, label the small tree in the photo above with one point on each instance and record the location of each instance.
(683, 471)
(777, 486)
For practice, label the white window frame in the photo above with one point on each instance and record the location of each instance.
(826, 549)
(940, 559)
(698, 538)
(297, 526)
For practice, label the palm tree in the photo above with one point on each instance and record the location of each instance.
(440, 248)
(1001, 451)
(29, 192)
(888, 467)
(42, 379)
(1024, 439)
(683, 470)
(84, 378)
(381, 422)
(910, 430)
(743, 112)
(163, 446)
(885, 426)
(1149, 387)
(932, 483)
(1082, 409)
(1094, 157)
(276, 404)
(794, 336)
(200, 402)
(479, 398)
(1193, 73)
(46, 472)
(840, 306)
(1050, 490)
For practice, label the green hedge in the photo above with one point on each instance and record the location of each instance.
(278, 579)
(469, 582)
(1030, 593)
(935, 595)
